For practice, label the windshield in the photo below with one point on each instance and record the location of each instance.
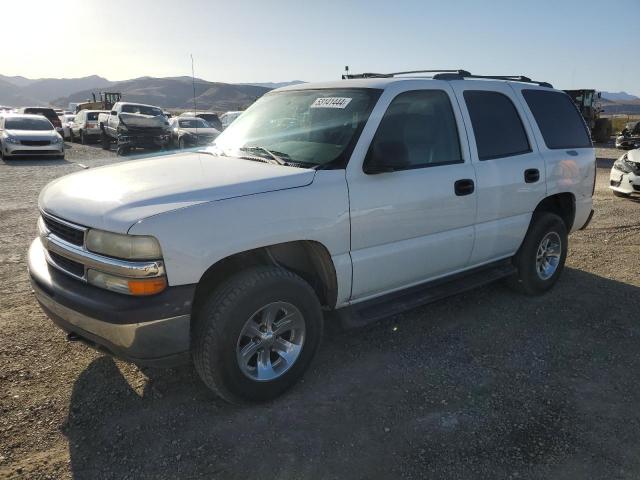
(193, 123)
(27, 124)
(317, 127)
(143, 109)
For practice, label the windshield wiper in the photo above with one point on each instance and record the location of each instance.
(273, 155)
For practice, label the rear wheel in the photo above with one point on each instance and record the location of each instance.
(106, 143)
(256, 334)
(540, 259)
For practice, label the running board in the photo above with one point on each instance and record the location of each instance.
(369, 311)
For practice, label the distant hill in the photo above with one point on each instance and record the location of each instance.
(21, 91)
(274, 85)
(169, 92)
(619, 96)
(177, 92)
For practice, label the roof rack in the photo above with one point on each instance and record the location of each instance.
(450, 75)
(389, 75)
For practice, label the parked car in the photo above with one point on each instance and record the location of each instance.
(85, 127)
(191, 132)
(389, 193)
(66, 120)
(210, 117)
(629, 137)
(227, 119)
(624, 178)
(29, 135)
(134, 125)
(48, 113)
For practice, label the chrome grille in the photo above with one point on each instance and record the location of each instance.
(67, 265)
(64, 231)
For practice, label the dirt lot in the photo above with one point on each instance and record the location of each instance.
(487, 384)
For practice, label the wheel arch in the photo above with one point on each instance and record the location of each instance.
(307, 258)
(562, 204)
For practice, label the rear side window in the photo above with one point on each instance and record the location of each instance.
(496, 125)
(558, 118)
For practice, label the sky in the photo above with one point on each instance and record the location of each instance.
(572, 44)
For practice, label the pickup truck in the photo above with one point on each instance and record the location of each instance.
(134, 125)
(344, 201)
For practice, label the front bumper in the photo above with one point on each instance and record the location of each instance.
(624, 182)
(628, 143)
(132, 140)
(151, 330)
(29, 150)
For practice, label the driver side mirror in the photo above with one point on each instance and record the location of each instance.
(386, 156)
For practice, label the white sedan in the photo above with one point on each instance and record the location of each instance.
(23, 135)
(625, 174)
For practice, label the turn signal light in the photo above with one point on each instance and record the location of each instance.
(148, 286)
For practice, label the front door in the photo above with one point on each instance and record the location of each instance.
(412, 197)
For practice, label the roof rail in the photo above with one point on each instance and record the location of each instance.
(393, 74)
(449, 75)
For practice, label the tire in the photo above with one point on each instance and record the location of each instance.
(106, 143)
(123, 151)
(529, 279)
(83, 140)
(71, 139)
(223, 316)
(620, 194)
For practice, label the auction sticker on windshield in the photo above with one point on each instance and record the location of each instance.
(331, 102)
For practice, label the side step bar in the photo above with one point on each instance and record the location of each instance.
(361, 314)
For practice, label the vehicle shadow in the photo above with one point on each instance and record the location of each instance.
(34, 162)
(487, 379)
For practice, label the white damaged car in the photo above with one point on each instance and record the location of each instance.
(625, 174)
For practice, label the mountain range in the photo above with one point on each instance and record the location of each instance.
(178, 92)
(168, 92)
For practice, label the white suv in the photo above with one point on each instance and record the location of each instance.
(364, 196)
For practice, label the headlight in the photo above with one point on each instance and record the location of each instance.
(10, 139)
(128, 247)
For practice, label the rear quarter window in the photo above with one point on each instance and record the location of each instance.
(558, 119)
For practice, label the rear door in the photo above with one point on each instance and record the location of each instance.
(509, 169)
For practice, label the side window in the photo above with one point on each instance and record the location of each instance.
(496, 125)
(418, 130)
(558, 118)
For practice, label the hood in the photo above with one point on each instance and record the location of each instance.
(33, 134)
(634, 155)
(115, 197)
(139, 120)
(200, 131)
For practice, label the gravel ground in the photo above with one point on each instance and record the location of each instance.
(487, 384)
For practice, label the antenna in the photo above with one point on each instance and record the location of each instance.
(195, 106)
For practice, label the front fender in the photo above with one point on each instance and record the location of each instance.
(196, 237)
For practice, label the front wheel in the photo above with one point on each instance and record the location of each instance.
(540, 259)
(255, 335)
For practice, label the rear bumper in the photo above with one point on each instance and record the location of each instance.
(151, 330)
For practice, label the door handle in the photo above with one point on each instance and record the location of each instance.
(464, 187)
(531, 175)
